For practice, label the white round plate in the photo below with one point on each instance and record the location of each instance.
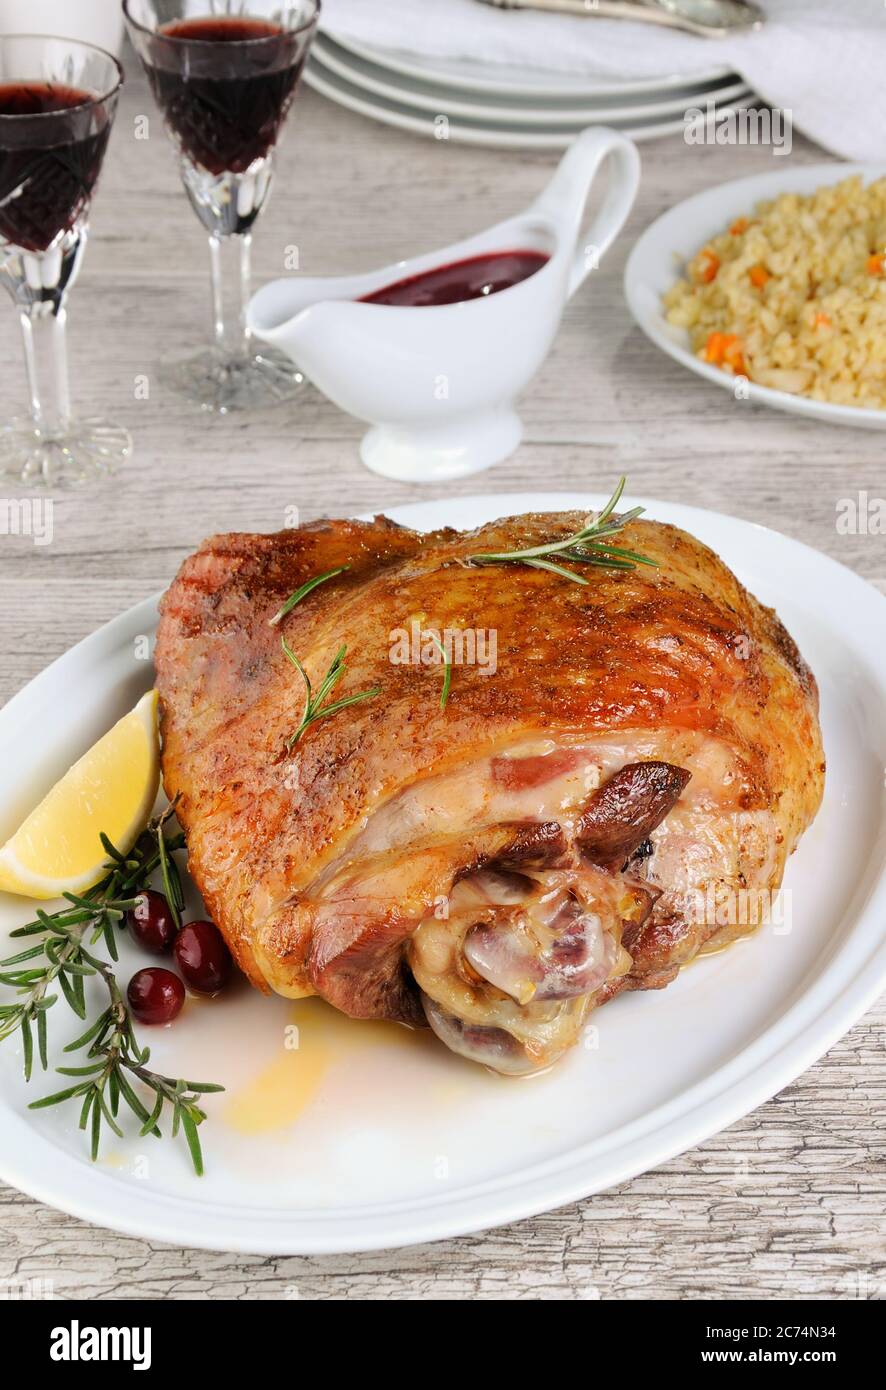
(368, 1136)
(529, 109)
(659, 257)
(503, 79)
(470, 131)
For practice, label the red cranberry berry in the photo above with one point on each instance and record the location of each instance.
(151, 922)
(155, 995)
(202, 957)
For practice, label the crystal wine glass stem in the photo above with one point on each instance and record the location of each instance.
(38, 282)
(46, 363)
(229, 268)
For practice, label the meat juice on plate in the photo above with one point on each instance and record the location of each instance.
(226, 105)
(48, 168)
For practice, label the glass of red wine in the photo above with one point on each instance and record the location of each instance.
(224, 74)
(57, 103)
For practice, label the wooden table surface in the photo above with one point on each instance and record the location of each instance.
(787, 1203)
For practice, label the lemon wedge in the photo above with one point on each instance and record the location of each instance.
(112, 788)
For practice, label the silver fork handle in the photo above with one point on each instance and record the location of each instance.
(651, 13)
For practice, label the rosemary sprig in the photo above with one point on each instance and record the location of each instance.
(589, 546)
(447, 669)
(314, 707)
(303, 593)
(114, 1056)
(63, 956)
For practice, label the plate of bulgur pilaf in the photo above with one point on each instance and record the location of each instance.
(775, 288)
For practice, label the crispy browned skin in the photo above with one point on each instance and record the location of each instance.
(682, 649)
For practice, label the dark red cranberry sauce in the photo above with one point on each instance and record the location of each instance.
(474, 278)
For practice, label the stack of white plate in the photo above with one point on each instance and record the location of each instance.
(490, 104)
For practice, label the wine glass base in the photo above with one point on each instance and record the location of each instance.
(221, 384)
(87, 450)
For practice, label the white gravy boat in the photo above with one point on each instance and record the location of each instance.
(438, 383)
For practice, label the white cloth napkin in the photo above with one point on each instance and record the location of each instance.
(824, 61)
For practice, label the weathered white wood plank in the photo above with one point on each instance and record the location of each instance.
(790, 1201)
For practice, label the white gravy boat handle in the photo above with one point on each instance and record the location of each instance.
(564, 198)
